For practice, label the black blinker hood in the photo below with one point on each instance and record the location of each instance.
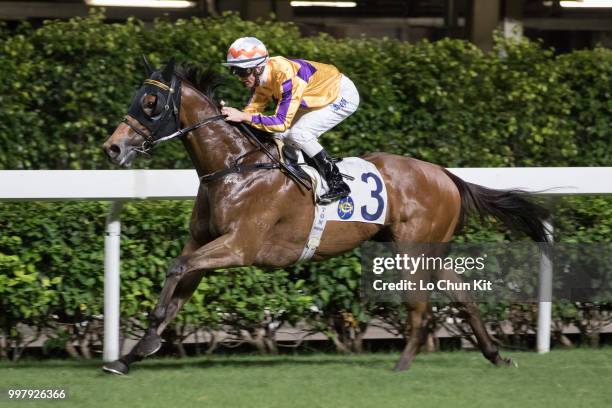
(165, 118)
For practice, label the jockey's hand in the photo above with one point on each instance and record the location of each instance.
(235, 115)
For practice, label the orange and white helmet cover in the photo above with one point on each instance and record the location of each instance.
(246, 52)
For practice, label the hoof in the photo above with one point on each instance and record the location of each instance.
(117, 367)
(510, 362)
(149, 345)
(506, 362)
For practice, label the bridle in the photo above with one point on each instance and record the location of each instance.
(151, 142)
(168, 119)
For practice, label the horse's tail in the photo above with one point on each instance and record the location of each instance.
(514, 208)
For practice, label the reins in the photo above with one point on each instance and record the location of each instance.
(236, 167)
(150, 142)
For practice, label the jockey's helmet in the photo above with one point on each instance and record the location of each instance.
(246, 52)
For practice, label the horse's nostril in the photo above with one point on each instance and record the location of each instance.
(114, 150)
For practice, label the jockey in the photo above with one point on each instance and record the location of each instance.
(310, 97)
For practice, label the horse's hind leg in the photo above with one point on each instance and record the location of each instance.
(463, 301)
(420, 319)
(418, 325)
(488, 348)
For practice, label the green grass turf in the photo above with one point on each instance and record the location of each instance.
(576, 378)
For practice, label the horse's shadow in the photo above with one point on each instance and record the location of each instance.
(356, 361)
(274, 361)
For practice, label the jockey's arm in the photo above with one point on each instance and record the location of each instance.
(291, 96)
(291, 91)
(256, 104)
(235, 115)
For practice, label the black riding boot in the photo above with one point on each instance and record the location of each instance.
(327, 168)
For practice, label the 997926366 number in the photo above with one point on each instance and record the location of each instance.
(35, 394)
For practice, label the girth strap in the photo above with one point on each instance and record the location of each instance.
(237, 168)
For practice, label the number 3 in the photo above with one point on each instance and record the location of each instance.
(374, 194)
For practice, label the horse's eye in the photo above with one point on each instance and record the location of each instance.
(148, 103)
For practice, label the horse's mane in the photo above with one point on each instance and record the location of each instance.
(206, 80)
(203, 78)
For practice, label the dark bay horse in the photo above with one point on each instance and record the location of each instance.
(250, 217)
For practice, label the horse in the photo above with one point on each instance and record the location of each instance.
(250, 218)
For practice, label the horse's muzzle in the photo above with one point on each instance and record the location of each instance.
(118, 154)
(112, 151)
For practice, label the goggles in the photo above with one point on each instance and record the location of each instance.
(242, 72)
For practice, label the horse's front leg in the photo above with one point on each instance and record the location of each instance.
(182, 278)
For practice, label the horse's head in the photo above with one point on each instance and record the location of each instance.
(153, 114)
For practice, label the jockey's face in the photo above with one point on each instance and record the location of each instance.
(248, 76)
(249, 81)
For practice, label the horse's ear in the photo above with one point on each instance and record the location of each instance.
(168, 71)
(148, 68)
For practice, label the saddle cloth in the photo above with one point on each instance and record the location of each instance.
(368, 199)
(366, 203)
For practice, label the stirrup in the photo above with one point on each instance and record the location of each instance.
(328, 200)
(341, 191)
